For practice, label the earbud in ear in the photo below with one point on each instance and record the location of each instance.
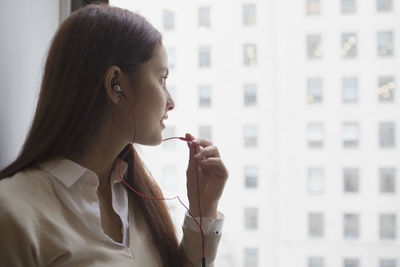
(118, 89)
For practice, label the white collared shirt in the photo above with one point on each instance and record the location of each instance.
(76, 186)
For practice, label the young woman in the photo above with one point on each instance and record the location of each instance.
(62, 201)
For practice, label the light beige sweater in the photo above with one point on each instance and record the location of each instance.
(37, 229)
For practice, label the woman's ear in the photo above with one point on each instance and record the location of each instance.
(112, 78)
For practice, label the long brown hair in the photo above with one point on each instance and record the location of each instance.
(72, 102)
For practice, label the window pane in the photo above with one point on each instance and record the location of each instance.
(351, 262)
(251, 176)
(250, 94)
(250, 136)
(314, 90)
(316, 262)
(249, 55)
(351, 226)
(351, 134)
(315, 135)
(386, 134)
(315, 225)
(315, 180)
(168, 19)
(314, 46)
(387, 263)
(249, 14)
(348, 6)
(351, 180)
(385, 44)
(204, 56)
(350, 90)
(387, 177)
(384, 5)
(251, 257)
(205, 132)
(349, 45)
(204, 17)
(251, 218)
(313, 7)
(204, 96)
(386, 89)
(387, 224)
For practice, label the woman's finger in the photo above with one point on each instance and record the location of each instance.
(210, 151)
(210, 163)
(202, 142)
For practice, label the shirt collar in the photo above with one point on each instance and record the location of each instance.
(69, 172)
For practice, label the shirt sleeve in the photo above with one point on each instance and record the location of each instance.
(17, 233)
(190, 247)
(209, 225)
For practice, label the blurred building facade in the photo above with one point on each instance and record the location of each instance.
(301, 99)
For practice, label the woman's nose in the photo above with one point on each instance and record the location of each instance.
(170, 102)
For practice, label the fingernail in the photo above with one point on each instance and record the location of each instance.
(197, 155)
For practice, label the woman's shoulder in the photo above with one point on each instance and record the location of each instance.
(23, 195)
(24, 184)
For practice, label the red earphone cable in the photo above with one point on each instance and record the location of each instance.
(199, 224)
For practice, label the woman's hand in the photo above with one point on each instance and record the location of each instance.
(212, 177)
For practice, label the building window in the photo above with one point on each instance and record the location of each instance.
(171, 57)
(168, 132)
(249, 14)
(204, 56)
(168, 20)
(349, 45)
(315, 225)
(387, 263)
(204, 17)
(316, 262)
(251, 176)
(350, 90)
(350, 180)
(349, 6)
(385, 44)
(315, 180)
(314, 46)
(315, 135)
(251, 218)
(387, 177)
(250, 136)
(351, 134)
(351, 226)
(384, 5)
(386, 134)
(204, 96)
(314, 90)
(205, 132)
(351, 262)
(250, 55)
(313, 7)
(387, 225)
(251, 257)
(250, 94)
(386, 89)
